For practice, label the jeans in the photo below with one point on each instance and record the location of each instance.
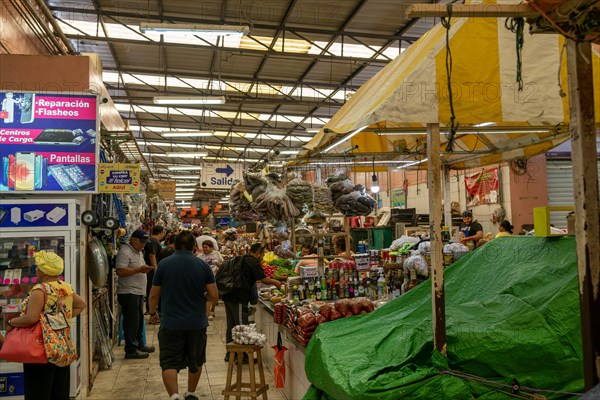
(132, 308)
(237, 314)
(46, 382)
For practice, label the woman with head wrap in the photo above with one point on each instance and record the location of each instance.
(48, 381)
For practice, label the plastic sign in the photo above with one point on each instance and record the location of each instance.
(14, 215)
(119, 178)
(48, 142)
(166, 189)
(221, 175)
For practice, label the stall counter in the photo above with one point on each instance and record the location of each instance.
(296, 383)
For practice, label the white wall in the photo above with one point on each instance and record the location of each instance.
(418, 197)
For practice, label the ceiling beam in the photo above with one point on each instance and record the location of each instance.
(421, 10)
(142, 16)
(245, 79)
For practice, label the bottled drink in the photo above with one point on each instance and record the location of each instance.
(380, 285)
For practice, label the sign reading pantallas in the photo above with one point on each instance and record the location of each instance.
(119, 178)
(221, 175)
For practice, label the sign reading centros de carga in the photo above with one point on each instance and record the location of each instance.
(48, 142)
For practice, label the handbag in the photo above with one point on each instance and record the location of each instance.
(56, 330)
(25, 344)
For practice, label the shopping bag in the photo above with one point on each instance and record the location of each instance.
(24, 345)
(279, 363)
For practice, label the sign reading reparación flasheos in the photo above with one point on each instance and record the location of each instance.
(48, 142)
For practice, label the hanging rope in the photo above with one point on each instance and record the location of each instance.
(446, 23)
(516, 390)
(516, 25)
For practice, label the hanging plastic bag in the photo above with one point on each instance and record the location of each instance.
(279, 363)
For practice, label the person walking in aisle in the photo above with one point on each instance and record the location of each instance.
(152, 255)
(49, 381)
(183, 283)
(214, 260)
(236, 303)
(206, 236)
(131, 288)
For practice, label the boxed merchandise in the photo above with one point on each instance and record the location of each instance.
(309, 272)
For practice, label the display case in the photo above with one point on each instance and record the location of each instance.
(56, 230)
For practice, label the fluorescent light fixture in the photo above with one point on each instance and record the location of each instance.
(189, 100)
(413, 163)
(184, 176)
(180, 184)
(188, 134)
(186, 190)
(345, 138)
(184, 154)
(200, 29)
(223, 202)
(312, 130)
(184, 168)
(485, 124)
(290, 152)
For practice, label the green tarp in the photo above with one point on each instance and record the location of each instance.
(512, 311)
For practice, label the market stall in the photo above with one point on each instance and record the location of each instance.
(412, 93)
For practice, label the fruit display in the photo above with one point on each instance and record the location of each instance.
(278, 268)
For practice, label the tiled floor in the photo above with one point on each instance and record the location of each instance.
(142, 380)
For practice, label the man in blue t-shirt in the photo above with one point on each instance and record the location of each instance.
(183, 283)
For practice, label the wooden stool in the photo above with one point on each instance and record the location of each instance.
(234, 349)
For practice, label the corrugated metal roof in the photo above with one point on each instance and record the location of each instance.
(323, 52)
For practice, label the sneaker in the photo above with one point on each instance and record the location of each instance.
(136, 355)
(191, 397)
(147, 349)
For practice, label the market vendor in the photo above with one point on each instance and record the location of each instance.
(471, 229)
(505, 229)
(339, 245)
(310, 252)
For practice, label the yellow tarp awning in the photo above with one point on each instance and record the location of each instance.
(411, 91)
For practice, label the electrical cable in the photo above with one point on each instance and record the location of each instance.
(446, 23)
(516, 25)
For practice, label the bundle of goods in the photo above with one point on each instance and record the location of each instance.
(350, 200)
(279, 313)
(284, 250)
(456, 249)
(239, 204)
(314, 218)
(306, 323)
(280, 232)
(255, 184)
(416, 270)
(300, 192)
(269, 198)
(322, 201)
(247, 334)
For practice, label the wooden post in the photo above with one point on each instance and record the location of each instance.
(447, 198)
(347, 237)
(587, 208)
(434, 181)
